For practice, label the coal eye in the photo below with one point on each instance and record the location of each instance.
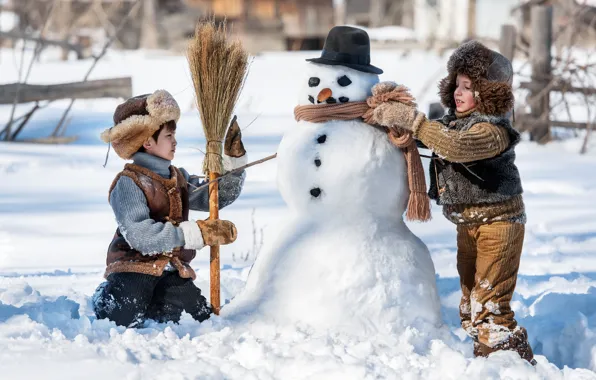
(313, 82)
(344, 81)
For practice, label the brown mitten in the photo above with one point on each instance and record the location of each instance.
(383, 87)
(395, 114)
(233, 146)
(217, 232)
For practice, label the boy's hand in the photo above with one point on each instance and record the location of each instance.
(217, 232)
(233, 146)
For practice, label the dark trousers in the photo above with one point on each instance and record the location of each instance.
(129, 299)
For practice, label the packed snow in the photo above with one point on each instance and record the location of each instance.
(56, 224)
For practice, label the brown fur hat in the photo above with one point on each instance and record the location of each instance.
(137, 119)
(491, 74)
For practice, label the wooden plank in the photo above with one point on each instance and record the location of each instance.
(50, 140)
(568, 124)
(103, 88)
(530, 123)
(559, 87)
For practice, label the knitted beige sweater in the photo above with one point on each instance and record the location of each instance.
(481, 141)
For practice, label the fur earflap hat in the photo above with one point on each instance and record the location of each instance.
(491, 75)
(137, 119)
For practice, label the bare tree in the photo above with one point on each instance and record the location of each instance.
(568, 84)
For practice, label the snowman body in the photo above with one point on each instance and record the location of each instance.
(344, 259)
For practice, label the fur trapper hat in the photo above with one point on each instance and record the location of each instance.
(491, 75)
(137, 119)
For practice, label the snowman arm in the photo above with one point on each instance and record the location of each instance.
(230, 188)
(479, 142)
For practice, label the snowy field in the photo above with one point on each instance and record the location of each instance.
(56, 224)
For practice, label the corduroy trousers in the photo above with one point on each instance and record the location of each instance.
(488, 258)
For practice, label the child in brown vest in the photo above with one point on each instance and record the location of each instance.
(148, 269)
(474, 177)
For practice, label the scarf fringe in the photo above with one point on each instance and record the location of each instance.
(418, 207)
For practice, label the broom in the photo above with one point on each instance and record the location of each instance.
(218, 67)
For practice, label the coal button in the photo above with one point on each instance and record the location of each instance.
(315, 192)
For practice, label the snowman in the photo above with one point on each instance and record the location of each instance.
(344, 260)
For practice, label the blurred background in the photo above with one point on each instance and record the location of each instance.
(540, 33)
(66, 64)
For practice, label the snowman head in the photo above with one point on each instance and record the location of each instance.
(334, 84)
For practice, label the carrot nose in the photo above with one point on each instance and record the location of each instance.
(324, 95)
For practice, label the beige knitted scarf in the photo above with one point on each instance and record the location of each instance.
(418, 203)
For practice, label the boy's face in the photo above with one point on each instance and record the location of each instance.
(463, 94)
(165, 146)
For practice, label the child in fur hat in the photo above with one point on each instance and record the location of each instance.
(474, 177)
(148, 269)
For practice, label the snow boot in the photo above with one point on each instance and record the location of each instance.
(518, 342)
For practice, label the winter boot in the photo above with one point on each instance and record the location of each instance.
(518, 342)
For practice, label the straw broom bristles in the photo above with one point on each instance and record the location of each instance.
(218, 67)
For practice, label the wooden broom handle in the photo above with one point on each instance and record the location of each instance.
(214, 249)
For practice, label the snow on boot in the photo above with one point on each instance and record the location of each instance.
(518, 342)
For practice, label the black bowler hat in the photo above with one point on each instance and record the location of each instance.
(347, 46)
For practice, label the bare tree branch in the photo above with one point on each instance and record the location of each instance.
(37, 51)
(61, 127)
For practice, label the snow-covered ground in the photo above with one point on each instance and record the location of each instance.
(55, 225)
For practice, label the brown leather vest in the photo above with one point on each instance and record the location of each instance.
(167, 200)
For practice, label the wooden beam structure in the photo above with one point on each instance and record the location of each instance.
(559, 87)
(531, 124)
(102, 88)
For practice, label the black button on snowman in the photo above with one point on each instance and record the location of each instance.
(320, 140)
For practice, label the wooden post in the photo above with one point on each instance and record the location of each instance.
(340, 12)
(1, 10)
(149, 38)
(277, 6)
(508, 41)
(540, 58)
(377, 12)
(471, 19)
(407, 14)
(65, 19)
(214, 249)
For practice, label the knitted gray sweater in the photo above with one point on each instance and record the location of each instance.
(132, 214)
